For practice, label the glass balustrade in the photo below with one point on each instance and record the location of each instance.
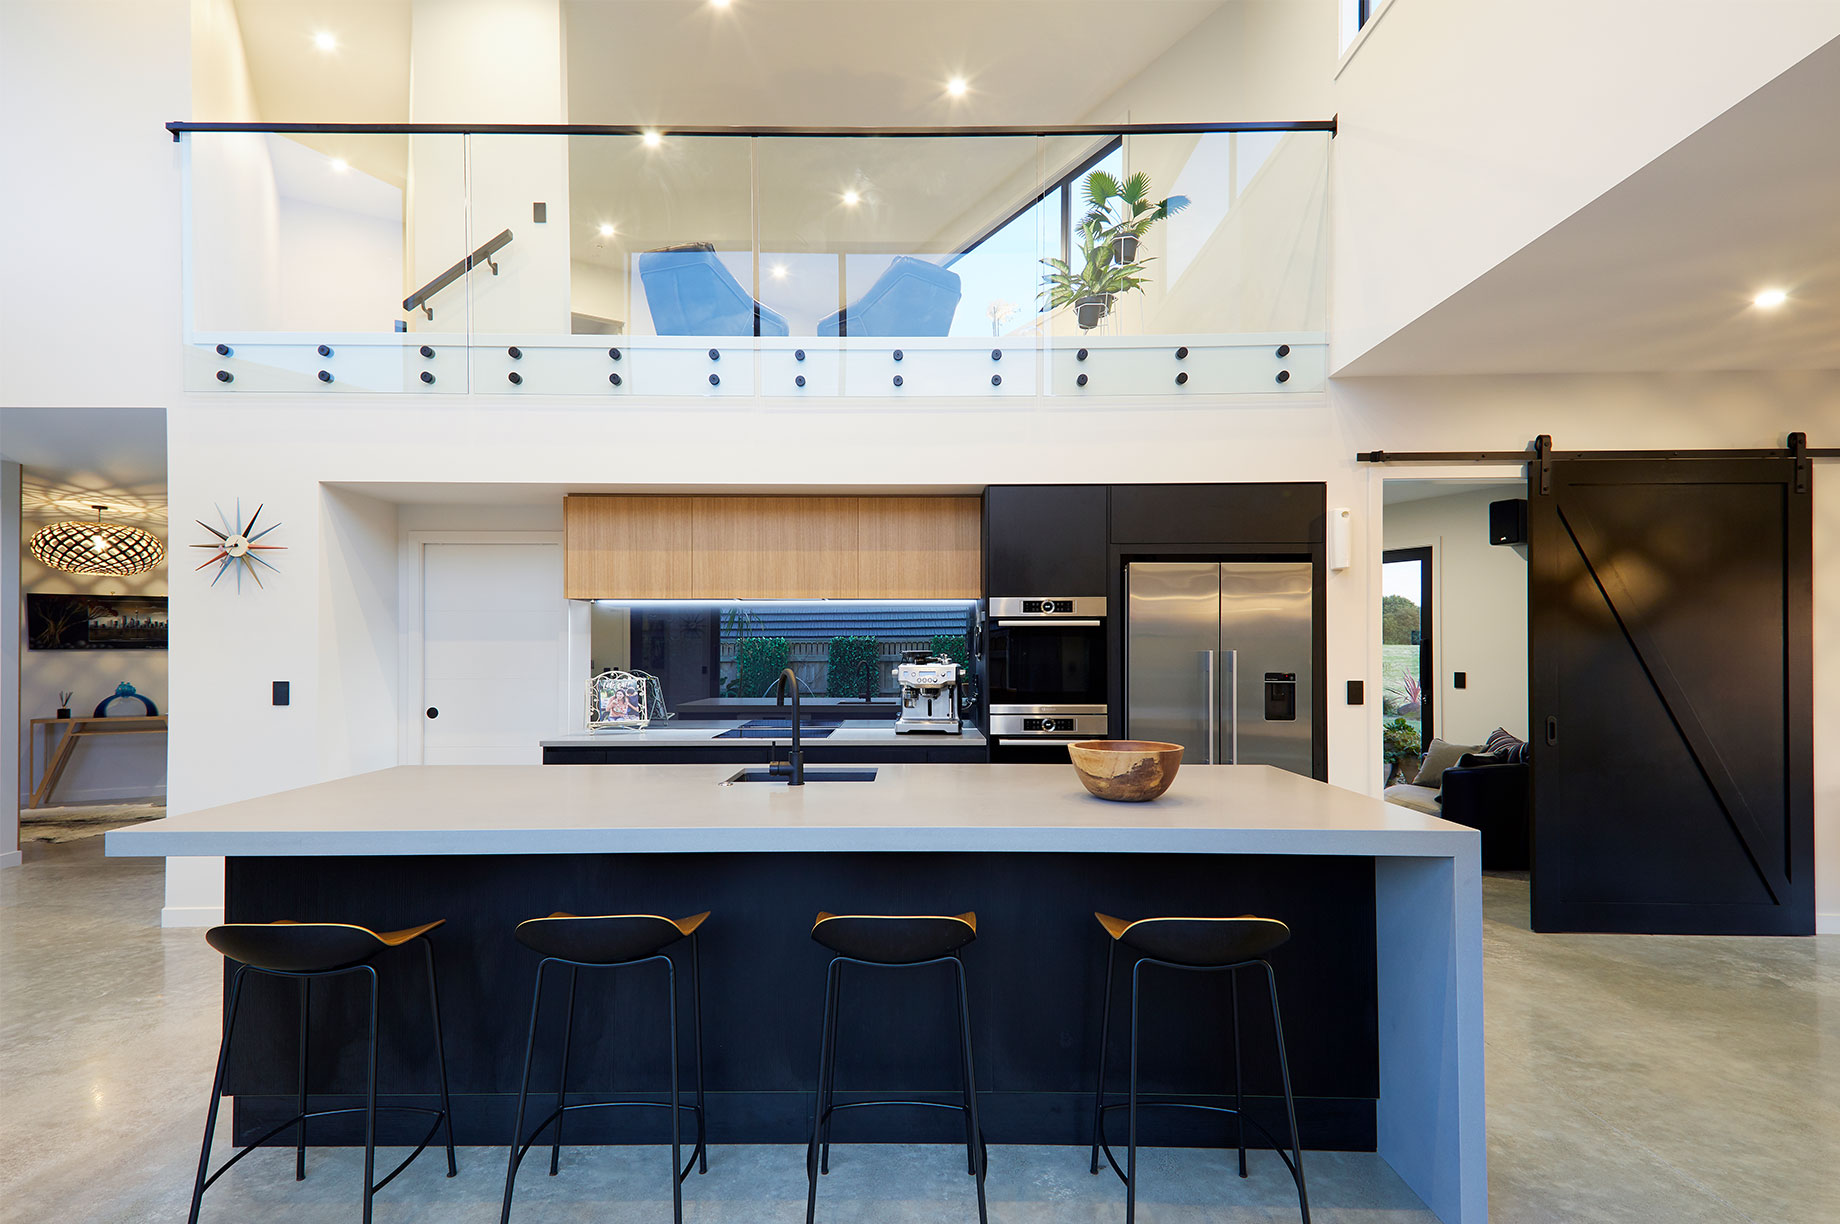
(764, 268)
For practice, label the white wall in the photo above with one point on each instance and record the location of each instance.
(126, 767)
(1478, 612)
(1468, 129)
(12, 640)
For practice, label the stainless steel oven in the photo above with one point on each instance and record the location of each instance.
(1045, 669)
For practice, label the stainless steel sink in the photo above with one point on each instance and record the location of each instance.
(811, 775)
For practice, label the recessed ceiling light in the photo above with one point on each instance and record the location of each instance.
(340, 165)
(606, 229)
(1770, 299)
(779, 271)
(852, 198)
(718, 3)
(326, 40)
(956, 87)
(652, 140)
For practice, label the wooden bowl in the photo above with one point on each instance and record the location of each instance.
(1126, 771)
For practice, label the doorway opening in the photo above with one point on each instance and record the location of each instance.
(1406, 672)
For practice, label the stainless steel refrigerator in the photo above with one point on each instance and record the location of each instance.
(1217, 659)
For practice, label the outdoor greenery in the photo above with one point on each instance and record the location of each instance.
(851, 671)
(1398, 621)
(1400, 739)
(761, 660)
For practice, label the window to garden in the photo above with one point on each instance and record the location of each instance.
(1405, 652)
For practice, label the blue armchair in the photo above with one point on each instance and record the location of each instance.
(692, 294)
(913, 297)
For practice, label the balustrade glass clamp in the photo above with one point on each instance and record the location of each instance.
(1284, 350)
(223, 350)
(426, 351)
(324, 350)
(715, 354)
(325, 375)
(614, 378)
(614, 353)
(799, 381)
(427, 376)
(1284, 376)
(1182, 379)
(515, 353)
(996, 354)
(897, 380)
(225, 376)
(1182, 352)
(515, 379)
(996, 380)
(798, 354)
(715, 380)
(1080, 356)
(898, 354)
(1080, 381)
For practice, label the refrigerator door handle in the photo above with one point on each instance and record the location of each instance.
(1230, 749)
(1213, 705)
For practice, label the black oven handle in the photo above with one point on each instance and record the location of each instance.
(1049, 622)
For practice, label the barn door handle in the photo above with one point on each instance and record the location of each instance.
(1552, 729)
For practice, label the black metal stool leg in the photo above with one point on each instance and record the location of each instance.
(1130, 1176)
(965, 1105)
(696, 1014)
(217, 1092)
(677, 1151)
(300, 1144)
(1290, 1103)
(1105, 1035)
(562, 1074)
(830, 1073)
(1239, 1076)
(440, 1056)
(370, 1102)
(817, 1112)
(517, 1127)
(964, 1030)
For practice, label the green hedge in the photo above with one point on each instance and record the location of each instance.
(955, 646)
(761, 660)
(852, 669)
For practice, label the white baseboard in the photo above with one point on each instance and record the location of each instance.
(1827, 924)
(11, 858)
(191, 915)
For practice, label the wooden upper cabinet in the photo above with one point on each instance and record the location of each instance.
(643, 547)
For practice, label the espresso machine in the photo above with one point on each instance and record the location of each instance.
(929, 693)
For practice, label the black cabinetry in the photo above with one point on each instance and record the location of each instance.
(1044, 540)
(1219, 515)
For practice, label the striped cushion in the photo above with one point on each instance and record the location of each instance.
(1509, 749)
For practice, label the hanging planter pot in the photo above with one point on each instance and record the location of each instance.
(1091, 308)
(1124, 248)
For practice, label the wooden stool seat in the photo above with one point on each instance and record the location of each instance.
(1200, 942)
(894, 939)
(307, 947)
(604, 939)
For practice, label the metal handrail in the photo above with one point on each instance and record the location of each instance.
(490, 248)
(178, 128)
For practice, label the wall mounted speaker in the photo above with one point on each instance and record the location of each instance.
(1508, 521)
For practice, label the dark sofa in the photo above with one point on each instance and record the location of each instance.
(1483, 793)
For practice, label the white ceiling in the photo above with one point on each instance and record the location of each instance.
(74, 458)
(1657, 274)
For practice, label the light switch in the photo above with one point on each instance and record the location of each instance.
(1357, 692)
(281, 692)
(539, 212)
(1460, 680)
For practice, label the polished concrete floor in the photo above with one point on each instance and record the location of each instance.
(1629, 1079)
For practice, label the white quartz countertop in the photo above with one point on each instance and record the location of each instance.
(855, 732)
(638, 809)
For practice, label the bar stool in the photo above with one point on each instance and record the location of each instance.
(889, 941)
(1193, 945)
(611, 941)
(306, 951)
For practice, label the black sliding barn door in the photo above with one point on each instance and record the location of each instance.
(1670, 622)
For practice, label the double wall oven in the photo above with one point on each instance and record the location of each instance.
(1045, 672)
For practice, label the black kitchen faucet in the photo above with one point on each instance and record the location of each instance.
(794, 765)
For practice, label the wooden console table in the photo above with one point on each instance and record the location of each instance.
(80, 728)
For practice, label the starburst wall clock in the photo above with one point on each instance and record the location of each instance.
(236, 547)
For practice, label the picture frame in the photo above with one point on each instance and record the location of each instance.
(95, 622)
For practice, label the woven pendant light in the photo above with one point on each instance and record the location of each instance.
(97, 547)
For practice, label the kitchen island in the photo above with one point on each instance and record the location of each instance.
(1381, 981)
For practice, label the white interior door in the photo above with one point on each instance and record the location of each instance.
(493, 645)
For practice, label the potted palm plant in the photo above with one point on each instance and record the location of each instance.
(1125, 210)
(1093, 278)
